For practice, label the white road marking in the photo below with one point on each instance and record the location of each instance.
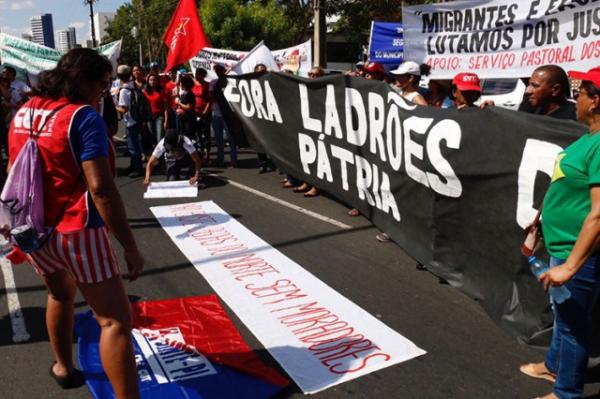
(17, 320)
(285, 203)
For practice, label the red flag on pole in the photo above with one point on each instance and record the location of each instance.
(184, 36)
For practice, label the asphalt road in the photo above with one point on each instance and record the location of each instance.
(468, 355)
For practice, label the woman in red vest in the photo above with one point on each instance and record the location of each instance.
(81, 203)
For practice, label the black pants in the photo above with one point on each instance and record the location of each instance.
(203, 129)
(175, 170)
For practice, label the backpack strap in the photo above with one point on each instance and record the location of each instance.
(37, 133)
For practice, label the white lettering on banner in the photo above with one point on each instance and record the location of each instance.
(355, 111)
(253, 99)
(307, 122)
(319, 337)
(502, 38)
(168, 357)
(538, 156)
(363, 127)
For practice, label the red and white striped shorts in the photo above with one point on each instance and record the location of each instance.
(86, 254)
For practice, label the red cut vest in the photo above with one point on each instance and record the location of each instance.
(64, 183)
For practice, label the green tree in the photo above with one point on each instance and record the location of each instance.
(151, 18)
(240, 25)
(356, 15)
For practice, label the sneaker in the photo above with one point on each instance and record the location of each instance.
(383, 237)
(262, 169)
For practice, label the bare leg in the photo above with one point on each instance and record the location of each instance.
(59, 319)
(111, 307)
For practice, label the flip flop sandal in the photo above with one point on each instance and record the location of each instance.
(353, 212)
(310, 195)
(74, 379)
(526, 369)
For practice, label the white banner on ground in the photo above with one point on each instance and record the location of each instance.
(297, 59)
(258, 55)
(317, 335)
(502, 38)
(171, 189)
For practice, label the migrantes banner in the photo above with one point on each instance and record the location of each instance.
(317, 335)
(386, 44)
(184, 348)
(297, 59)
(35, 58)
(453, 188)
(502, 38)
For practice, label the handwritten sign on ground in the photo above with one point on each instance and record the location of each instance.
(171, 189)
(317, 335)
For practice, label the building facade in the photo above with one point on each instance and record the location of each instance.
(66, 39)
(101, 20)
(42, 30)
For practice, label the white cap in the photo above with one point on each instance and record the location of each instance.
(408, 67)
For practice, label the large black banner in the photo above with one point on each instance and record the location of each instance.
(453, 188)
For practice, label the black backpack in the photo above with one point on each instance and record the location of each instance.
(139, 108)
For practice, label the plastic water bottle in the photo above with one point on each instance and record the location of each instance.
(5, 246)
(558, 293)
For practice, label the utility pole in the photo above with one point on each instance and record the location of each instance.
(320, 30)
(91, 4)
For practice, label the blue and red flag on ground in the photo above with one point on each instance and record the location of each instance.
(184, 348)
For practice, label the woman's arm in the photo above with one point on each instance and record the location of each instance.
(108, 201)
(198, 165)
(419, 99)
(185, 107)
(584, 246)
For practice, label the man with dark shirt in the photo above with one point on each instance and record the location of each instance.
(548, 92)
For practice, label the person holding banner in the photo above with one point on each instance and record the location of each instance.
(466, 90)
(308, 190)
(218, 122)
(571, 227)
(408, 75)
(548, 92)
(374, 71)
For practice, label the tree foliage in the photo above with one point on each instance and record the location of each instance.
(151, 18)
(241, 25)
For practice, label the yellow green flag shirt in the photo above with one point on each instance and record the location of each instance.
(568, 202)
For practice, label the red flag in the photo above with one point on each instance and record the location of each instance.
(184, 36)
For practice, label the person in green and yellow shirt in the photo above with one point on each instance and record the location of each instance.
(571, 226)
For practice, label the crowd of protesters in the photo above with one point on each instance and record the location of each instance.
(174, 117)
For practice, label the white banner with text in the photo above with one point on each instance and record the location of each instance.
(296, 59)
(319, 337)
(502, 38)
